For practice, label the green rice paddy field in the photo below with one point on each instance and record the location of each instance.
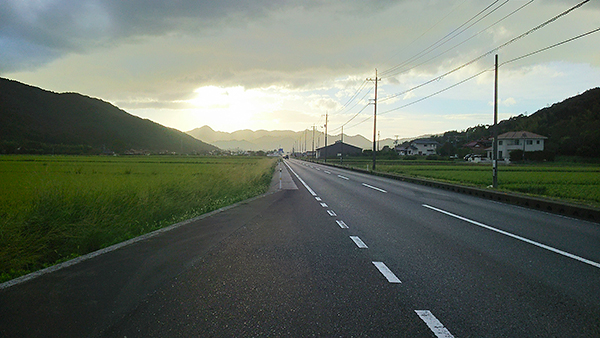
(53, 208)
(576, 183)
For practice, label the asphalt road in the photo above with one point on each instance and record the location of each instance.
(333, 254)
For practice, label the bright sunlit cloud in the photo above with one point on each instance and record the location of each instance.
(251, 65)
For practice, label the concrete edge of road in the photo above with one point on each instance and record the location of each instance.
(536, 203)
(114, 247)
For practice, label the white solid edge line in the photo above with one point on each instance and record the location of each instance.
(372, 187)
(540, 245)
(74, 261)
(434, 324)
(386, 272)
(301, 181)
(359, 242)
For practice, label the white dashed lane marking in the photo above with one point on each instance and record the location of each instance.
(386, 272)
(343, 177)
(324, 205)
(434, 324)
(359, 243)
(331, 213)
(374, 188)
(341, 224)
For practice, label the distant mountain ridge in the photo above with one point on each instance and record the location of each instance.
(270, 140)
(33, 120)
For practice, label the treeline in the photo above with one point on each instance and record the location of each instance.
(37, 148)
(572, 127)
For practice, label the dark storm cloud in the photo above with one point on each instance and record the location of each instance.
(35, 32)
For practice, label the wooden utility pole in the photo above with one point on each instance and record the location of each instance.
(376, 79)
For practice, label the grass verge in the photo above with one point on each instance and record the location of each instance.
(56, 208)
(570, 182)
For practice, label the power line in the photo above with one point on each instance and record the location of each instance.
(550, 47)
(502, 64)
(436, 93)
(484, 71)
(353, 117)
(439, 42)
(361, 87)
(489, 52)
(430, 28)
(463, 42)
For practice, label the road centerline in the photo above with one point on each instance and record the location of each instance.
(526, 240)
(434, 324)
(359, 242)
(386, 272)
(342, 224)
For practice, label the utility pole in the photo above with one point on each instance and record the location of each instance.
(376, 79)
(305, 140)
(495, 129)
(378, 140)
(326, 117)
(313, 142)
(342, 147)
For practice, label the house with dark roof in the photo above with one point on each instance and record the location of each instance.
(478, 147)
(518, 140)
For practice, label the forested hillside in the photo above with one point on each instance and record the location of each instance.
(572, 127)
(37, 121)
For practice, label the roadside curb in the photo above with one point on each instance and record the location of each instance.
(530, 202)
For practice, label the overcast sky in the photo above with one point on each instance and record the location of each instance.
(243, 64)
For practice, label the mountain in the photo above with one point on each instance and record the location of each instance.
(269, 140)
(572, 126)
(33, 120)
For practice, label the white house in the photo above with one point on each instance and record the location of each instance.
(518, 140)
(418, 147)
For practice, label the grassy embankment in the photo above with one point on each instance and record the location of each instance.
(571, 182)
(56, 208)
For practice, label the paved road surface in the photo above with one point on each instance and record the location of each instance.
(334, 253)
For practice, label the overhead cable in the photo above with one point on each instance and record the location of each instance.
(439, 43)
(488, 53)
(461, 43)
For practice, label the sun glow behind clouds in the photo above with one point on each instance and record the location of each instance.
(232, 108)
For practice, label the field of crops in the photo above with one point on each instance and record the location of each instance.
(53, 208)
(578, 183)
